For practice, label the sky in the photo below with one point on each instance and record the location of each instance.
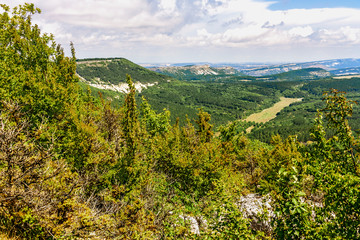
(174, 31)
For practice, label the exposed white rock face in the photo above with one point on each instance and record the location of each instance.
(320, 73)
(122, 87)
(196, 69)
(204, 70)
(258, 209)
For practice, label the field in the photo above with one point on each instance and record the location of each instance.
(270, 113)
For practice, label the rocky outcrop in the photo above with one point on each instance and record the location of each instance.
(254, 207)
(122, 87)
(258, 210)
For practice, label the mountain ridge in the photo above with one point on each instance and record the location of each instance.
(263, 69)
(113, 71)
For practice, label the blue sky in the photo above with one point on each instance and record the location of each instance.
(309, 4)
(168, 31)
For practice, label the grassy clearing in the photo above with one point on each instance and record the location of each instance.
(270, 113)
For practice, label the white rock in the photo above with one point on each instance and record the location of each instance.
(258, 209)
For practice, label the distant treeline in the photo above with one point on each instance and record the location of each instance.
(98, 59)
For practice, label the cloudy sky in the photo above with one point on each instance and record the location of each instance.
(160, 31)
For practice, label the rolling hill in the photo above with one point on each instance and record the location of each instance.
(298, 75)
(114, 70)
(198, 72)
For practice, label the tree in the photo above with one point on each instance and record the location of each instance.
(317, 195)
(204, 125)
(41, 135)
(34, 69)
(155, 123)
(130, 123)
(334, 164)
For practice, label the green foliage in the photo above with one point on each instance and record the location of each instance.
(204, 130)
(334, 163)
(318, 196)
(34, 71)
(292, 220)
(318, 87)
(116, 99)
(284, 155)
(155, 123)
(229, 222)
(224, 101)
(130, 119)
(35, 183)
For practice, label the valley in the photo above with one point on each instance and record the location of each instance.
(226, 92)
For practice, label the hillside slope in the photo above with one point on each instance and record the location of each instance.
(113, 71)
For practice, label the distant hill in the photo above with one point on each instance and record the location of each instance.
(345, 66)
(114, 70)
(298, 75)
(223, 73)
(198, 72)
(329, 65)
(346, 71)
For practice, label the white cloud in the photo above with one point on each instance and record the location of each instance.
(168, 6)
(344, 35)
(301, 31)
(193, 23)
(352, 35)
(244, 34)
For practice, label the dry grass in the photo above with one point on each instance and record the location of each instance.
(270, 113)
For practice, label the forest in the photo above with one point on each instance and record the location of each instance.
(227, 97)
(73, 166)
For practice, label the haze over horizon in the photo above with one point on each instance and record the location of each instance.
(160, 31)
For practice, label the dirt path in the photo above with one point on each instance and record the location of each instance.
(270, 113)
